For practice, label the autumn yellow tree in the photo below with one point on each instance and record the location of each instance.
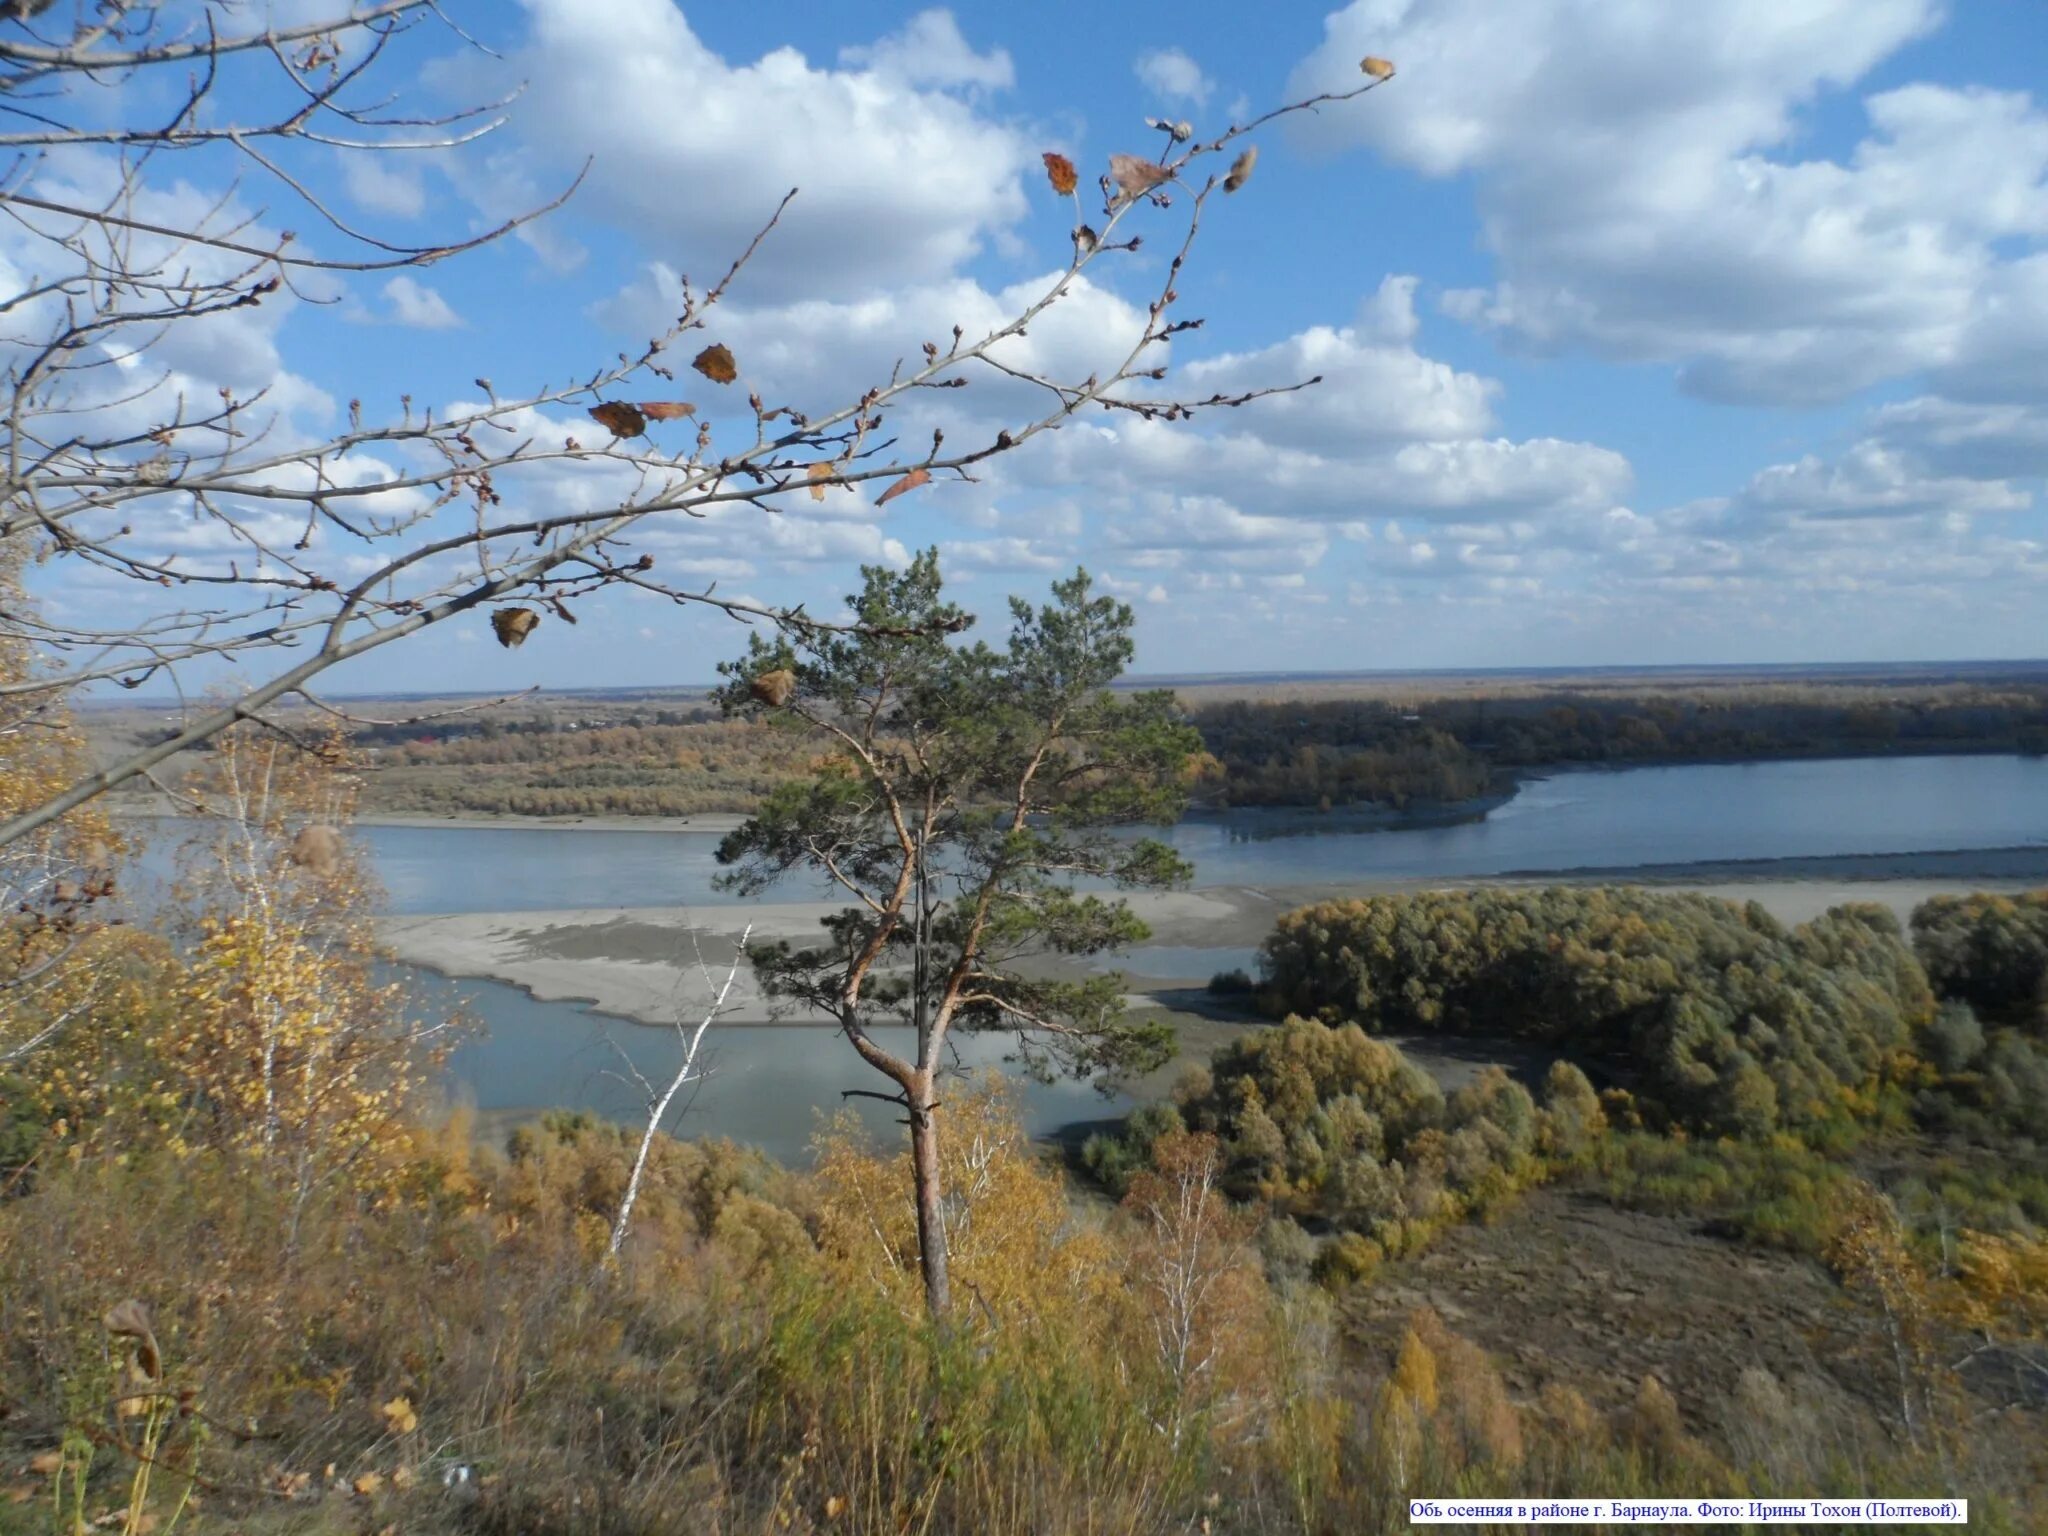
(1871, 1253)
(1203, 1293)
(52, 883)
(1018, 1255)
(1999, 1294)
(288, 1046)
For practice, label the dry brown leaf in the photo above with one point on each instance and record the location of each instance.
(666, 410)
(46, 1463)
(819, 474)
(317, 848)
(513, 625)
(716, 363)
(1059, 170)
(1241, 169)
(21, 1493)
(1136, 176)
(910, 482)
(1379, 68)
(773, 688)
(835, 1506)
(368, 1484)
(619, 418)
(399, 1416)
(130, 1320)
(403, 1478)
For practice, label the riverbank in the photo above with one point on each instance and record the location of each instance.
(655, 965)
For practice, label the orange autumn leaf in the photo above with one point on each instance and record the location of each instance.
(1059, 170)
(819, 474)
(1377, 67)
(513, 625)
(1136, 176)
(773, 688)
(666, 410)
(619, 418)
(910, 482)
(716, 363)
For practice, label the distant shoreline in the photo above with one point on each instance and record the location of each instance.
(1278, 819)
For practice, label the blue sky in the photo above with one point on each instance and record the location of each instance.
(1651, 333)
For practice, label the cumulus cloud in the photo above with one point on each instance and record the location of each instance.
(1641, 186)
(824, 352)
(1870, 481)
(1338, 481)
(1004, 554)
(903, 179)
(413, 303)
(1979, 440)
(1375, 387)
(1174, 531)
(930, 51)
(1174, 77)
(383, 183)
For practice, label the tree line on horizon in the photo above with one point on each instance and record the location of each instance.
(1400, 755)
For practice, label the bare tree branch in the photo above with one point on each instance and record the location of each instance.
(299, 552)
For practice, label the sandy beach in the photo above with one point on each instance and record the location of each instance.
(650, 964)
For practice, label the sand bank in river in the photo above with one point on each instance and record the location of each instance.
(647, 964)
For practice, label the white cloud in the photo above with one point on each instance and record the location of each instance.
(1641, 185)
(930, 51)
(1375, 386)
(1988, 441)
(413, 303)
(819, 353)
(383, 183)
(902, 177)
(1466, 479)
(1200, 530)
(1871, 480)
(1004, 554)
(1174, 77)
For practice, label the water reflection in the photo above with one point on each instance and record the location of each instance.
(1572, 821)
(766, 1086)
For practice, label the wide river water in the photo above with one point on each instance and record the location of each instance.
(1604, 819)
(768, 1084)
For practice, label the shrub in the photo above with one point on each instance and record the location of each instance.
(1990, 952)
(1348, 1259)
(1724, 1020)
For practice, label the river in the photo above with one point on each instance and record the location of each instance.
(1575, 820)
(768, 1084)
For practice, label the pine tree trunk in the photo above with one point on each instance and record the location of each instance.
(931, 1221)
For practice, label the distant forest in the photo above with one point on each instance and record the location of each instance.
(681, 762)
(561, 758)
(1337, 752)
